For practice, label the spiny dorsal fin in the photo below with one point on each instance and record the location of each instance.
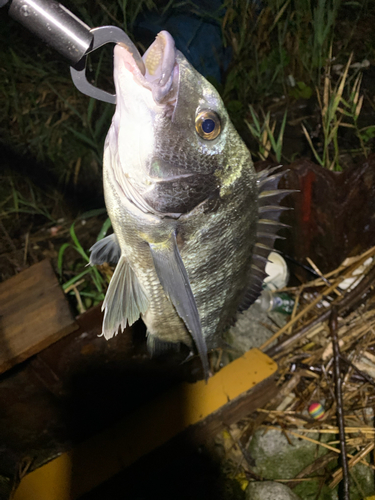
(125, 300)
(276, 195)
(266, 172)
(271, 211)
(105, 250)
(271, 182)
(175, 281)
(268, 225)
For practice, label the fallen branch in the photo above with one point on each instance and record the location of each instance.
(344, 485)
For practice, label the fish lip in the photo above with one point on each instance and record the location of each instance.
(157, 70)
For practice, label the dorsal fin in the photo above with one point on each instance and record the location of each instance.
(268, 224)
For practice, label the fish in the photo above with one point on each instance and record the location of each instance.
(193, 222)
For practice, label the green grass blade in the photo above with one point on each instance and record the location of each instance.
(255, 120)
(279, 143)
(90, 109)
(253, 131)
(82, 137)
(107, 224)
(60, 257)
(93, 213)
(271, 136)
(76, 278)
(319, 160)
(77, 244)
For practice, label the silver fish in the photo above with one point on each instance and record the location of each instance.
(193, 222)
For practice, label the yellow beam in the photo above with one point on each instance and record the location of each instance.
(89, 464)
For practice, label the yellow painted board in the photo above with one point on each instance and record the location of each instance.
(76, 472)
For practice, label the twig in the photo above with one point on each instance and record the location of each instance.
(348, 301)
(349, 261)
(319, 443)
(81, 307)
(295, 307)
(337, 476)
(297, 480)
(319, 463)
(26, 247)
(316, 301)
(325, 375)
(344, 485)
(368, 379)
(300, 315)
(217, 367)
(73, 286)
(335, 430)
(306, 438)
(316, 269)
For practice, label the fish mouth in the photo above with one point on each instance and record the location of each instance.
(156, 70)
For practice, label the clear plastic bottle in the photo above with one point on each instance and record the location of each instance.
(276, 301)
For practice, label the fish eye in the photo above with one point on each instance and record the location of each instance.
(207, 124)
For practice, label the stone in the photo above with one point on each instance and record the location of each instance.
(276, 458)
(253, 327)
(268, 490)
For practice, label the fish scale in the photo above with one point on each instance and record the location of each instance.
(160, 310)
(232, 267)
(193, 222)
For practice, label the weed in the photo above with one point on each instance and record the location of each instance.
(283, 39)
(264, 135)
(88, 284)
(24, 198)
(43, 114)
(336, 112)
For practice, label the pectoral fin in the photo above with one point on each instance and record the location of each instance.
(174, 279)
(105, 250)
(125, 300)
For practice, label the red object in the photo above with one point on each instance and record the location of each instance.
(316, 411)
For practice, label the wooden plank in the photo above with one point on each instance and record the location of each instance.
(34, 313)
(199, 409)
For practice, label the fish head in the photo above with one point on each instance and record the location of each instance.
(171, 137)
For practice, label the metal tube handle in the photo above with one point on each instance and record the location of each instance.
(72, 38)
(54, 24)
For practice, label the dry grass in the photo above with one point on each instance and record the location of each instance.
(306, 373)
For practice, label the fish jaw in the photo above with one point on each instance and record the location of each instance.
(161, 69)
(146, 92)
(156, 72)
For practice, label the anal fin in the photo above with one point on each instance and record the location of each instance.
(125, 300)
(175, 281)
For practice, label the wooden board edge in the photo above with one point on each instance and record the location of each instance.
(23, 356)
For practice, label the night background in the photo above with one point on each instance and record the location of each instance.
(298, 80)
